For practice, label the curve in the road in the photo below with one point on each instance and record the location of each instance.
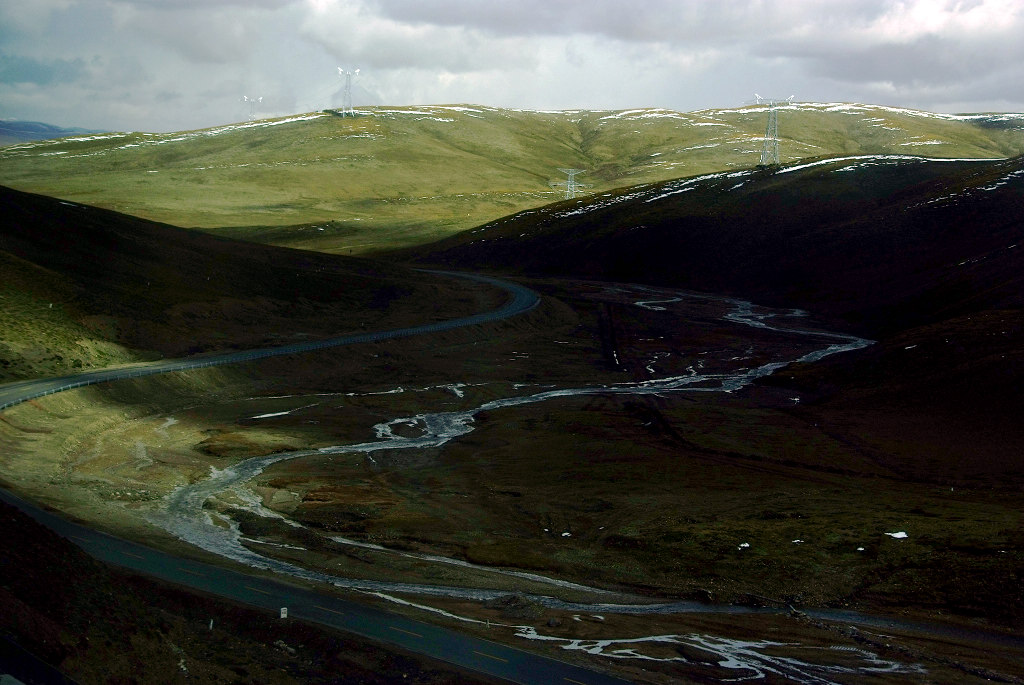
(473, 653)
(521, 299)
(440, 643)
(469, 652)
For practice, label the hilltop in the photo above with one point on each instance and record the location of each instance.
(403, 176)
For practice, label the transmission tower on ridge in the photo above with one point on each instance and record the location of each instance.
(571, 186)
(346, 102)
(252, 105)
(770, 150)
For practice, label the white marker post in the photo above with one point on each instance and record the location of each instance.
(284, 612)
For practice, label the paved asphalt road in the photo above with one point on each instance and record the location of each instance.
(424, 638)
(441, 643)
(520, 300)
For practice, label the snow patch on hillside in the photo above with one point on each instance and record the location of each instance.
(162, 138)
(61, 141)
(609, 201)
(283, 413)
(463, 108)
(653, 194)
(655, 113)
(566, 112)
(691, 183)
(417, 112)
(152, 139)
(872, 160)
(1019, 174)
(856, 108)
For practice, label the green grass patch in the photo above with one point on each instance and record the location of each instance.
(404, 176)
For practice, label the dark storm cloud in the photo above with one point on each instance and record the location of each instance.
(530, 17)
(929, 54)
(213, 38)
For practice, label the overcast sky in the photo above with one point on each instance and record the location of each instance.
(161, 65)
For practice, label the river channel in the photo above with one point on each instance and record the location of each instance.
(182, 512)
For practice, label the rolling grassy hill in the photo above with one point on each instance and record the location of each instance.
(922, 255)
(84, 287)
(408, 175)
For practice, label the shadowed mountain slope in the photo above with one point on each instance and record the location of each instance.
(86, 287)
(926, 257)
(408, 175)
(881, 243)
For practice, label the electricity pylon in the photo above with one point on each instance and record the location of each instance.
(346, 102)
(770, 149)
(571, 186)
(252, 105)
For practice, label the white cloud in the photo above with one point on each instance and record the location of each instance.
(165, 64)
(908, 21)
(353, 35)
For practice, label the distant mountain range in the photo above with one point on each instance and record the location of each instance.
(13, 132)
(409, 175)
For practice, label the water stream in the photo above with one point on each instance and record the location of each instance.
(183, 515)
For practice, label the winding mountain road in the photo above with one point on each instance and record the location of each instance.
(466, 651)
(521, 300)
(469, 652)
(440, 643)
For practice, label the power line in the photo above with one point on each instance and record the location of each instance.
(571, 186)
(770, 149)
(252, 105)
(346, 102)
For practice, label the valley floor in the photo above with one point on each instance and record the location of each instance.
(612, 447)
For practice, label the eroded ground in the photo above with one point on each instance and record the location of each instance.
(586, 452)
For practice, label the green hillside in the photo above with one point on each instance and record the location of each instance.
(404, 176)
